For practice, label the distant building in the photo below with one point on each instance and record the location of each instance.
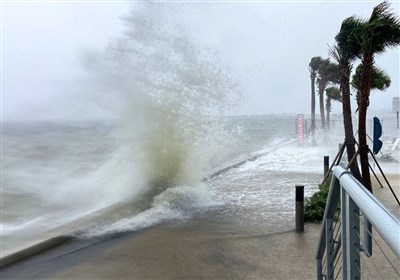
(396, 104)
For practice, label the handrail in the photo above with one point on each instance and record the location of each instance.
(354, 197)
(384, 222)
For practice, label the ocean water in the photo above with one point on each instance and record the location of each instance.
(53, 173)
(41, 165)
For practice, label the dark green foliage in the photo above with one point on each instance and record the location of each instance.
(332, 93)
(315, 63)
(380, 32)
(314, 206)
(348, 48)
(380, 80)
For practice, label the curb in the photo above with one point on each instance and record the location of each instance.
(55, 237)
(33, 250)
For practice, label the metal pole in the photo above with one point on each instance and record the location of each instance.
(397, 116)
(326, 165)
(343, 218)
(330, 246)
(299, 208)
(353, 240)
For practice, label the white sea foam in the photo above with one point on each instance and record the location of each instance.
(174, 203)
(292, 158)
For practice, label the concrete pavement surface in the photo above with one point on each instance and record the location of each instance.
(198, 249)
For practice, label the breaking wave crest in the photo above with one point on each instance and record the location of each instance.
(173, 203)
(160, 87)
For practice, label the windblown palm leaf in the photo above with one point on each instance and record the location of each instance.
(333, 93)
(347, 47)
(314, 63)
(380, 79)
(377, 34)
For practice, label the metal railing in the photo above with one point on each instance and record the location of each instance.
(340, 246)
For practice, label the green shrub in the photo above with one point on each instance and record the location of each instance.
(314, 206)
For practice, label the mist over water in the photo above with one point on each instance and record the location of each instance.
(161, 87)
(165, 88)
(164, 93)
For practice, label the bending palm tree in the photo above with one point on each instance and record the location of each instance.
(345, 52)
(327, 72)
(380, 32)
(313, 68)
(332, 93)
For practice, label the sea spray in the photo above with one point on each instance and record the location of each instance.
(161, 88)
(176, 203)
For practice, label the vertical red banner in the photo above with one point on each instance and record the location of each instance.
(300, 128)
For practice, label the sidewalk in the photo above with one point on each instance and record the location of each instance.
(199, 249)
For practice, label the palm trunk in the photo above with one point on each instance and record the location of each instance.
(347, 120)
(328, 112)
(321, 88)
(313, 75)
(366, 74)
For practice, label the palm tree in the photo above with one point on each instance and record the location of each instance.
(332, 93)
(380, 81)
(327, 72)
(345, 52)
(375, 36)
(313, 68)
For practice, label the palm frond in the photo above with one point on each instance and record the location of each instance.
(347, 40)
(334, 52)
(382, 31)
(380, 80)
(315, 63)
(333, 93)
(329, 72)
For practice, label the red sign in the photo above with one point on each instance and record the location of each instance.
(300, 128)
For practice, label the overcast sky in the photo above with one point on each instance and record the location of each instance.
(268, 46)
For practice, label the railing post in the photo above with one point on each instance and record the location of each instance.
(344, 243)
(367, 244)
(329, 249)
(299, 208)
(350, 255)
(319, 269)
